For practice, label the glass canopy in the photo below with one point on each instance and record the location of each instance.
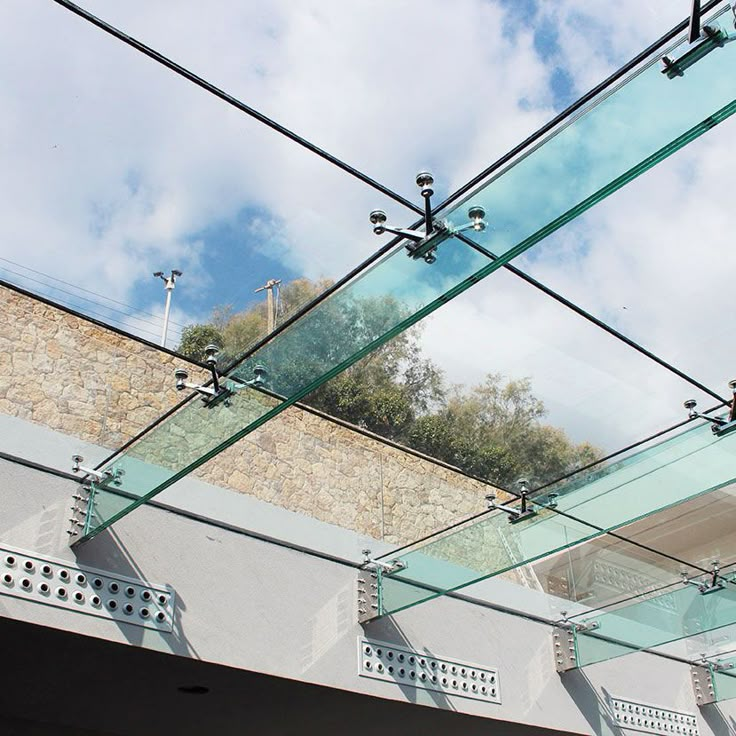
(685, 466)
(647, 118)
(644, 120)
(683, 610)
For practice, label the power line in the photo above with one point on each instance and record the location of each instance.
(79, 306)
(77, 296)
(87, 291)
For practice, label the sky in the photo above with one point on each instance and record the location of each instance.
(114, 167)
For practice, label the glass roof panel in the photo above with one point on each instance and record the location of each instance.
(646, 119)
(680, 468)
(680, 612)
(711, 645)
(576, 580)
(699, 531)
(724, 681)
(380, 303)
(640, 557)
(526, 204)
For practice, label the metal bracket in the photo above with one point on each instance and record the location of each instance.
(713, 585)
(219, 392)
(386, 567)
(703, 686)
(424, 244)
(725, 428)
(368, 596)
(515, 514)
(565, 650)
(719, 425)
(98, 476)
(712, 38)
(587, 626)
(426, 248)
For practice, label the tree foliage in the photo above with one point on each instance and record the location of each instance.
(494, 430)
(195, 338)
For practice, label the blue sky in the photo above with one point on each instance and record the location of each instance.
(115, 168)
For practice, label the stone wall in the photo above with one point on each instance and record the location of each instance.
(73, 375)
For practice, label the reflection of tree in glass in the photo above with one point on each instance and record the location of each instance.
(493, 431)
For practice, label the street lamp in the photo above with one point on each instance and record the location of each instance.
(169, 283)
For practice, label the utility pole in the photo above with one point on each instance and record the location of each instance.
(169, 283)
(268, 287)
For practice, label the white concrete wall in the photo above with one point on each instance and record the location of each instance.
(255, 605)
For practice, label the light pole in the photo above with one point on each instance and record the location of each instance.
(269, 286)
(169, 283)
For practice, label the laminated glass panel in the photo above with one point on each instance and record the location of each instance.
(682, 611)
(604, 571)
(603, 149)
(724, 679)
(683, 467)
(384, 300)
(622, 134)
(698, 531)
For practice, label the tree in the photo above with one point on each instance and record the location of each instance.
(494, 431)
(236, 332)
(386, 391)
(195, 338)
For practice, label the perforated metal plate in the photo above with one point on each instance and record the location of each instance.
(54, 582)
(652, 719)
(382, 661)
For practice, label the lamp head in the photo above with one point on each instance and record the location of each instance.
(260, 375)
(158, 274)
(176, 272)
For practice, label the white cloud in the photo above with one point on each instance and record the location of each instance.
(113, 165)
(111, 151)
